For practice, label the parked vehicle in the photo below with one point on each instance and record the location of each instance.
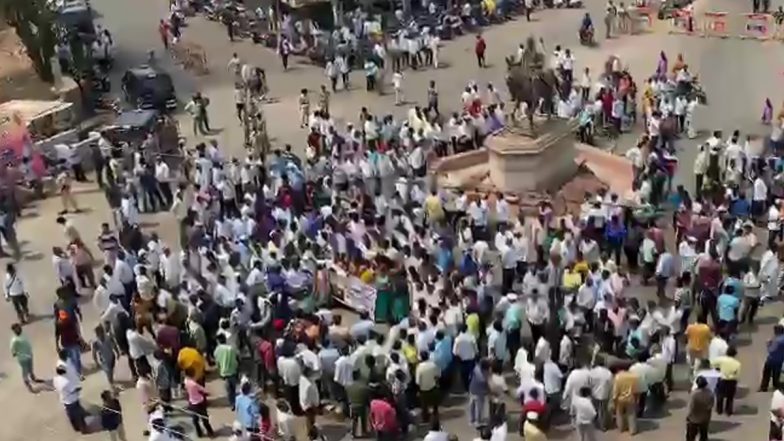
(145, 87)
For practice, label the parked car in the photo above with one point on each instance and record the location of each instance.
(146, 87)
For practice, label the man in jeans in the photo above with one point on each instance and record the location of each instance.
(358, 393)
(700, 410)
(227, 361)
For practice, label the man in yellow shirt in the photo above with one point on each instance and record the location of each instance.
(698, 337)
(581, 265)
(434, 208)
(473, 324)
(571, 279)
(624, 398)
(410, 351)
(729, 367)
(190, 358)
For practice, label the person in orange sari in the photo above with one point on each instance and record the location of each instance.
(678, 65)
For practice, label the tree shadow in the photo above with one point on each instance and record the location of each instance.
(82, 210)
(675, 403)
(646, 426)
(32, 256)
(722, 426)
(37, 318)
(454, 400)
(765, 320)
(746, 409)
(218, 402)
(558, 432)
(334, 431)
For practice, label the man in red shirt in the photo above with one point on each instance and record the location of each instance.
(163, 29)
(383, 419)
(480, 50)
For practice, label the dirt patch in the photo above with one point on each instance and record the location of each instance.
(18, 79)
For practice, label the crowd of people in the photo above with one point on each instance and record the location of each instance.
(461, 287)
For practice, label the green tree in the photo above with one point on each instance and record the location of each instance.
(34, 22)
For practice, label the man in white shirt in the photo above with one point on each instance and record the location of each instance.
(309, 398)
(124, 274)
(552, 377)
(601, 381)
(583, 414)
(577, 379)
(642, 370)
(759, 197)
(416, 159)
(69, 391)
(290, 374)
(509, 264)
(465, 350)
(718, 347)
(537, 311)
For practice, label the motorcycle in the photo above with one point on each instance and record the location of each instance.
(586, 37)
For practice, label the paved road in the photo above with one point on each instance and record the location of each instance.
(738, 75)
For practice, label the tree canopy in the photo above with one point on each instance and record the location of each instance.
(34, 22)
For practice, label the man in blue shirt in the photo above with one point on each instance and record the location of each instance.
(247, 409)
(772, 368)
(736, 285)
(442, 357)
(513, 321)
(727, 305)
(740, 207)
(444, 257)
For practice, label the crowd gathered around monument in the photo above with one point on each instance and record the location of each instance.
(345, 283)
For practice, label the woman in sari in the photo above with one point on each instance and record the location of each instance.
(384, 297)
(401, 302)
(679, 64)
(661, 67)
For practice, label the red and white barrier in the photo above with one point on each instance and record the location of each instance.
(682, 22)
(757, 26)
(715, 25)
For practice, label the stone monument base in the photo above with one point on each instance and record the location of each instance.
(521, 161)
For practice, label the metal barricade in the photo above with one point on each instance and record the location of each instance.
(715, 25)
(682, 22)
(757, 26)
(641, 19)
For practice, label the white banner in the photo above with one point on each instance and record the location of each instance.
(360, 296)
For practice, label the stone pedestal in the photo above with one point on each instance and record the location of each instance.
(520, 162)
